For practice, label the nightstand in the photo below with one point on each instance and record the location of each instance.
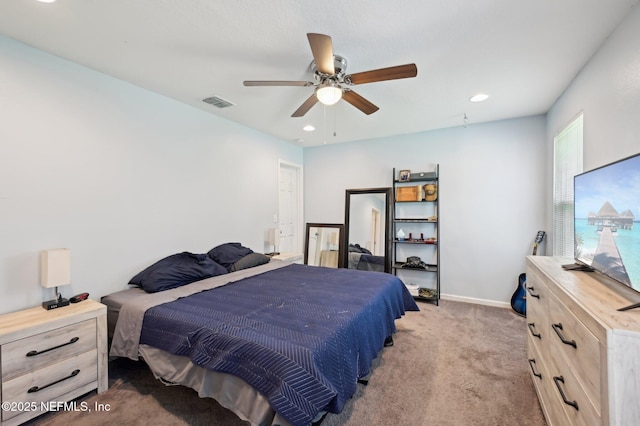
(290, 257)
(51, 357)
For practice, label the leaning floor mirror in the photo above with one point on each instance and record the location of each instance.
(367, 227)
(323, 245)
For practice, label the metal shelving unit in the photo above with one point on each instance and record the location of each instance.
(416, 233)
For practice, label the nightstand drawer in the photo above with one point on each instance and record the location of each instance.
(38, 351)
(50, 383)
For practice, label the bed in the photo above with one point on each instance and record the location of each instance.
(271, 342)
(362, 259)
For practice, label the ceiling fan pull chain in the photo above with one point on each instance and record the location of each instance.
(324, 122)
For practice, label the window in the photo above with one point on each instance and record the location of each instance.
(567, 160)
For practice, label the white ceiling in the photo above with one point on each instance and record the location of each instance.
(522, 53)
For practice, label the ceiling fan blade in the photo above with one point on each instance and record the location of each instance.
(322, 50)
(359, 102)
(382, 74)
(306, 106)
(276, 83)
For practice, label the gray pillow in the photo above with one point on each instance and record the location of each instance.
(249, 261)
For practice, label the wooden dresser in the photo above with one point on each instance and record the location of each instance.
(584, 354)
(48, 358)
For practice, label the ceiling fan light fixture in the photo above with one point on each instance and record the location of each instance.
(329, 93)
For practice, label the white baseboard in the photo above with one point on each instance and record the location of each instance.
(476, 301)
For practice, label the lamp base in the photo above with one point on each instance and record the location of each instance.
(53, 304)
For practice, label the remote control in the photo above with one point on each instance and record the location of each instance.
(79, 297)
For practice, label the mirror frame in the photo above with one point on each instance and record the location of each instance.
(341, 240)
(387, 223)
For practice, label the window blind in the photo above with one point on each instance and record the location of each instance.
(567, 150)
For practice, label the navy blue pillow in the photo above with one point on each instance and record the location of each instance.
(177, 270)
(229, 253)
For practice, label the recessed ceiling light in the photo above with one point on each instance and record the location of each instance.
(479, 97)
(308, 128)
(47, 1)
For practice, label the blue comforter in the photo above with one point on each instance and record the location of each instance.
(301, 335)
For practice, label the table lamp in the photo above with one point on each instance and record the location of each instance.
(273, 238)
(334, 240)
(55, 270)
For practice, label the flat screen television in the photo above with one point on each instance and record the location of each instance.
(607, 221)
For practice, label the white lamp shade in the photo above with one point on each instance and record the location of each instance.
(329, 94)
(334, 239)
(273, 236)
(55, 267)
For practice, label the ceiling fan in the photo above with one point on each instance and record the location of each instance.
(331, 81)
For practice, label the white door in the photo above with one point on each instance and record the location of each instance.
(375, 232)
(290, 208)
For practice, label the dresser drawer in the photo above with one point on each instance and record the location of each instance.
(601, 373)
(537, 314)
(574, 345)
(554, 412)
(50, 383)
(38, 351)
(537, 293)
(569, 393)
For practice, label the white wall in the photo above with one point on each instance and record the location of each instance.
(123, 176)
(119, 175)
(491, 194)
(496, 187)
(607, 90)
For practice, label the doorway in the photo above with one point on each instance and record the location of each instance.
(290, 207)
(375, 232)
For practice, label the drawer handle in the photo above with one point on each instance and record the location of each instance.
(530, 290)
(532, 364)
(38, 389)
(34, 353)
(558, 329)
(532, 327)
(557, 381)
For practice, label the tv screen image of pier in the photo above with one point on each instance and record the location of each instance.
(607, 220)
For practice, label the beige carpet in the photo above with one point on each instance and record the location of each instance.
(453, 364)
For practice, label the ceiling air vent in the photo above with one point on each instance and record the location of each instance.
(217, 101)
